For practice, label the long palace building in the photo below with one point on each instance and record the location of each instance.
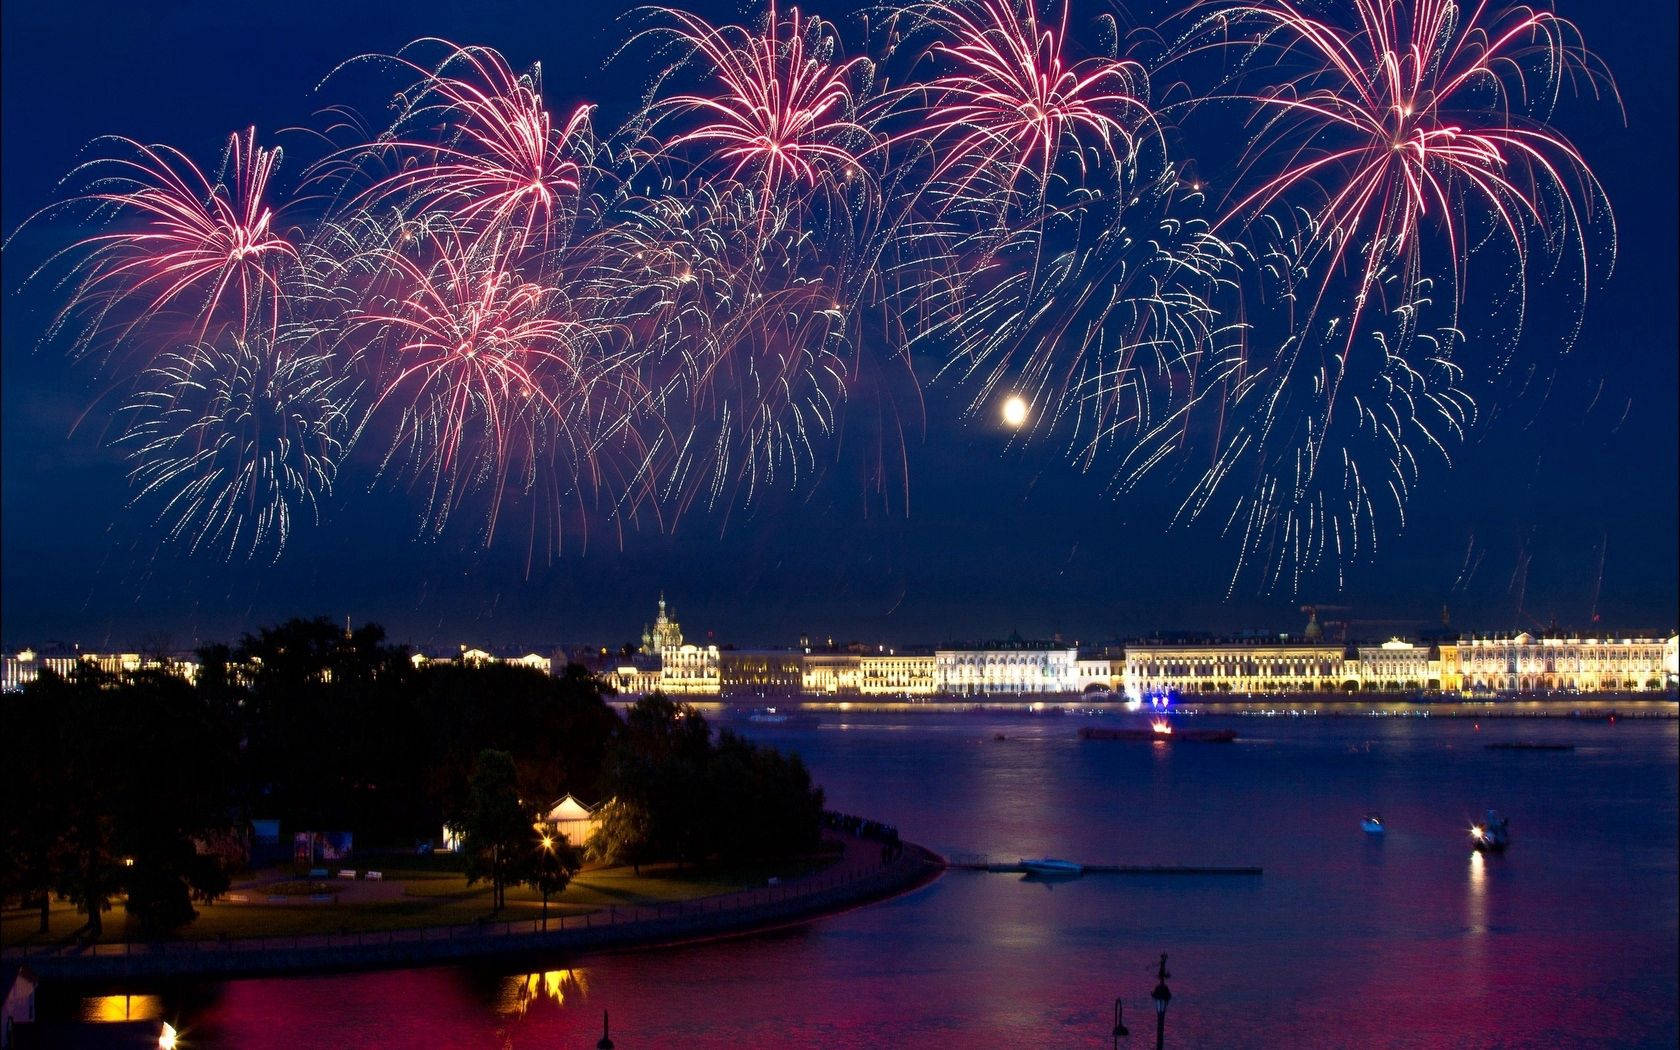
(1520, 664)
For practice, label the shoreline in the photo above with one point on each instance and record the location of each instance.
(634, 927)
(1394, 706)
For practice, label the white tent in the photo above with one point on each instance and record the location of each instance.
(572, 819)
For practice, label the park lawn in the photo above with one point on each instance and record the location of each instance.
(429, 898)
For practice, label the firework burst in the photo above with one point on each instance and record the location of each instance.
(179, 242)
(1010, 109)
(1391, 149)
(475, 141)
(1419, 125)
(680, 312)
(744, 331)
(491, 373)
(777, 108)
(239, 439)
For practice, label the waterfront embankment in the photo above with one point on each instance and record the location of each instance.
(866, 873)
(1597, 708)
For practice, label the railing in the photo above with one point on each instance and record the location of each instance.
(741, 905)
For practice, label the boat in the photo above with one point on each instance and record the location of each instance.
(1372, 824)
(1052, 868)
(1492, 835)
(771, 716)
(1159, 731)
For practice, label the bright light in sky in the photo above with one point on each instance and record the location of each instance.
(1014, 411)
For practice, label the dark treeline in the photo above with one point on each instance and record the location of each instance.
(142, 786)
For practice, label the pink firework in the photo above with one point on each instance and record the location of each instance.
(1422, 119)
(1009, 102)
(181, 238)
(497, 157)
(777, 104)
(491, 370)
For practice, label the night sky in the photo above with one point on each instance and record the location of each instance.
(996, 539)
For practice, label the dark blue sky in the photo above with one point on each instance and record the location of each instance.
(995, 539)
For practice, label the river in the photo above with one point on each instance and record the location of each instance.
(1346, 940)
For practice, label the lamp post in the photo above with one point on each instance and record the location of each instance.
(1162, 996)
(1120, 1031)
(548, 847)
(605, 1042)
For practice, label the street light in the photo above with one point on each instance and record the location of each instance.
(605, 1042)
(1120, 1031)
(1162, 996)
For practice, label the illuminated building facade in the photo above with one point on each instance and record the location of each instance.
(1006, 671)
(759, 672)
(26, 665)
(1096, 674)
(689, 670)
(634, 680)
(831, 674)
(1395, 665)
(475, 657)
(898, 674)
(1530, 664)
(1233, 668)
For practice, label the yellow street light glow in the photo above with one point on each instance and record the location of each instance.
(1014, 411)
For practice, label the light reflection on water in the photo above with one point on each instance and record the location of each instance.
(1410, 939)
(106, 1008)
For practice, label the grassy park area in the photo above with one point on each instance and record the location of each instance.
(402, 899)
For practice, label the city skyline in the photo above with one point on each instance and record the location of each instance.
(1560, 508)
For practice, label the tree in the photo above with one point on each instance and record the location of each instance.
(623, 834)
(764, 800)
(32, 827)
(659, 768)
(554, 865)
(129, 772)
(497, 830)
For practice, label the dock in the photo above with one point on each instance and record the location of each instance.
(1114, 869)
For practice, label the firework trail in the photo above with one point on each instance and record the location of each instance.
(239, 439)
(1313, 454)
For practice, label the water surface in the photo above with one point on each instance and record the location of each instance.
(1410, 940)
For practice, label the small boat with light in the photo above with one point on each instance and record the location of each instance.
(1372, 824)
(1160, 730)
(781, 718)
(1052, 868)
(1492, 835)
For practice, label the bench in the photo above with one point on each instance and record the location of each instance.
(375, 876)
(347, 873)
(317, 873)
